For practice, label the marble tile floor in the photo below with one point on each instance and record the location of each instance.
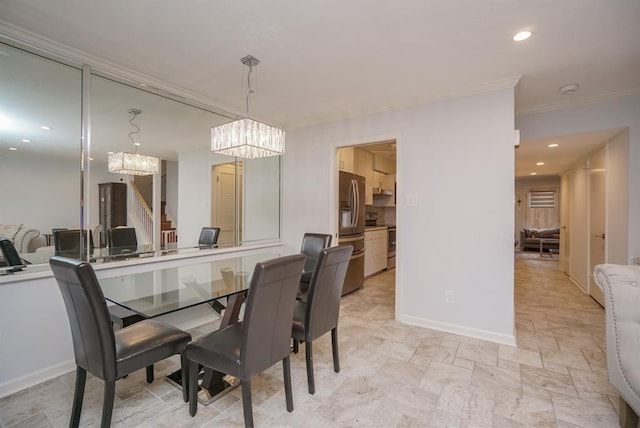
(393, 375)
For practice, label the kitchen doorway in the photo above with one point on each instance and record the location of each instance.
(376, 164)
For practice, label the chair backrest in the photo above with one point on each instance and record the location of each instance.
(91, 331)
(325, 291)
(208, 237)
(269, 313)
(122, 240)
(67, 242)
(312, 244)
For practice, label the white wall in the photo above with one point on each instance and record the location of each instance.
(261, 204)
(579, 224)
(617, 210)
(456, 158)
(615, 114)
(50, 198)
(171, 195)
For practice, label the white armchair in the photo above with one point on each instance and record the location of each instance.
(621, 287)
(22, 236)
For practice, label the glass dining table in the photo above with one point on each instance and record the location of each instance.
(163, 291)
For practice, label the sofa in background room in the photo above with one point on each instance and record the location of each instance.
(22, 236)
(530, 239)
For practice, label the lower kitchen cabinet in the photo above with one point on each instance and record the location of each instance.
(375, 251)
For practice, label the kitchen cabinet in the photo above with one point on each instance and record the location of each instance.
(375, 250)
(346, 159)
(384, 165)
(364, 167)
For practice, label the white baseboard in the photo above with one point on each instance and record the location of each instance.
(35, 378)
(491, 336)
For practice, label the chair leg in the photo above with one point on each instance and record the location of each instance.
(246, 403)
(286, 369)
(194, 369)
(107, 406)
(627, 418)
(184, 367)
(150, 374)
(334, 348)
(309, 356)
(81, 377)
(295, 346)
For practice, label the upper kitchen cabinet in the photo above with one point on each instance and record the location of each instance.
(384, 165)
(364, 167)
(385, 184)
(346, 159)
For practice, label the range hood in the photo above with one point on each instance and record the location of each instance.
(379, 191)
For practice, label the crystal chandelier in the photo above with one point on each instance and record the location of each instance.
(133, 163)
(246, 138)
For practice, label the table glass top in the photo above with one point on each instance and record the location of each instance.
(167, 290)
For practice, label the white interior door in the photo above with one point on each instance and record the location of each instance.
(224, 203)
(565, 223)
(597, 209)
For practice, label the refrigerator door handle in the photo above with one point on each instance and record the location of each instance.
(356, 203)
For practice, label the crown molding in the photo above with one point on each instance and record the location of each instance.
(596, 99)
(494, 85)
(49, 48)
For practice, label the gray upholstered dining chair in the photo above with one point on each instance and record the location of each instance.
(208, 237)
(312, 244)
(261, 339)
(106, 354)
(122, 240)
(67, 242)
(319, 314)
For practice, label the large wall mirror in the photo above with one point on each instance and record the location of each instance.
(41, 169)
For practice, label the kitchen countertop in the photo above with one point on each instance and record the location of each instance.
(371, 228)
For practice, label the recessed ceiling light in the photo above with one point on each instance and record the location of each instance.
(553, 145)
(539, 163)
(136, 144)
(143, 84)
(13, 149)
(24, 140)
(109, 153)
(534, 173)
(90, 158)
(46, 127)
(522, 35)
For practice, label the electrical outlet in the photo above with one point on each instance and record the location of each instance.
(449, 296)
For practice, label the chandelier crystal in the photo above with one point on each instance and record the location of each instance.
(246, 138)
(133, 163)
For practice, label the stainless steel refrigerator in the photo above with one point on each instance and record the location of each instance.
(351, 231)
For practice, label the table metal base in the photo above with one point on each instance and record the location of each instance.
(207, 395)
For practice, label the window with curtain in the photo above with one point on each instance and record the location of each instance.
(542, 209)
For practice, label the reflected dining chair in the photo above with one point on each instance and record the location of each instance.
(123, 240)
(208, 237)
(106, 354)
(319, 314)
(67, 242)
(312, 244)
(245, 349)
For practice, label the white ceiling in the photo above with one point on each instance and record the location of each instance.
(332, 59)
